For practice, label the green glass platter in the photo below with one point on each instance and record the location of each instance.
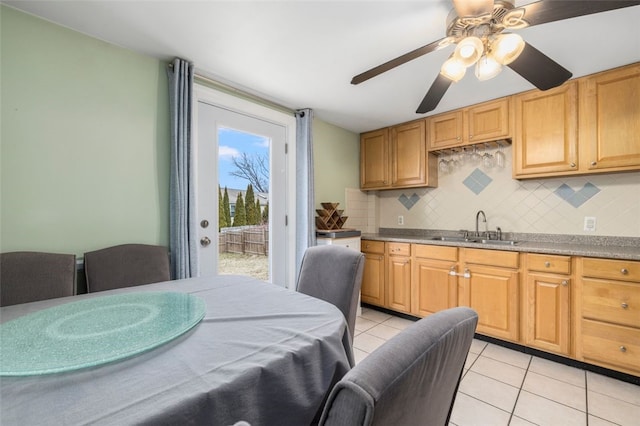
(95, 331)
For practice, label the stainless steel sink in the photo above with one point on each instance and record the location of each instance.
(454, 239)
(475, 240)
(499, 242)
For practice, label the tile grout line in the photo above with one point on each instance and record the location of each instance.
(515, 404)
(586, 398)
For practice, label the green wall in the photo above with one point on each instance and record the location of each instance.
(84, 154)
(84, 145)
(336, 162)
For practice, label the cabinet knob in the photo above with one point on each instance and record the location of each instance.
(624, 305)
(565, 283)
(593, 163)
(547, 264)
(470, 136)
(623, 349)
(458, 138)
(572, 164)
(624, 271)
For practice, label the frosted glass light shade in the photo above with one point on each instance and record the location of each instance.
(453, 69)
(506, 48)
(469, 50)
(487, 68)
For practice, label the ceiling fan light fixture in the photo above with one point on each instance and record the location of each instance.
(506, 48)
(453, 69)
(469, 50)
(487, 68)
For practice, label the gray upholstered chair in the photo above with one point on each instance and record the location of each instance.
(334, 274)
(126, 265)
(31, 276)
(412, 379)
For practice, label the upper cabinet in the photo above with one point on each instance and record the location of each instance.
(545, 139)
(610, 120)
(589, 125)
(489, 121)
(396, 157)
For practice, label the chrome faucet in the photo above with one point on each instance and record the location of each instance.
(484, 219)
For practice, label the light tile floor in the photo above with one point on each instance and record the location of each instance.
(505, 387)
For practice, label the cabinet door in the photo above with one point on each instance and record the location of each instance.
(372, 289)
(610, 119)
(399, 283)
(548, 313)
(493, 293)
(408, 153)
(374, 159)
(445, 130)
(434, 289)
(488, 121)
(545, 140)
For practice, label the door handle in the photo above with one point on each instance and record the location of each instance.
(205, 241)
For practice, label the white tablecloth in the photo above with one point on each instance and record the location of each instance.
(262, 353)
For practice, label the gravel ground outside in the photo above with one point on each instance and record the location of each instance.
(256, 266)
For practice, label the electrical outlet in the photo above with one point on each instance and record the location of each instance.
(589, 223)
(400, 220)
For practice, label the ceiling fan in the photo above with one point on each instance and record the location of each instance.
(480, 29)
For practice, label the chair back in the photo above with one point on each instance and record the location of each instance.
(126, 265)
(334, 274)
(31, 276)
(412, 379)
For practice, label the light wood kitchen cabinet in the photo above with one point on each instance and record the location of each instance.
(545, 139)
(547, 303)
(397, 157)
(488, 281)
(398, 277)
(589, 125)
(372, 290)
(610, 120)
(485, 122)
(374, 159)
(433, 287)
(608, 314)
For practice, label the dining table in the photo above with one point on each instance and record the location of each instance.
(253, 351)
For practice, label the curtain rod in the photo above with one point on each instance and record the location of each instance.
(241, 93)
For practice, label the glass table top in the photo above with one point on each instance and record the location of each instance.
(95, 331)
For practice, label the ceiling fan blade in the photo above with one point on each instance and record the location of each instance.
(544, 11)
(396, 62)
(539, 69)
(435, 93)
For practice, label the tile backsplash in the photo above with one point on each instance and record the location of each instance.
(550, 206)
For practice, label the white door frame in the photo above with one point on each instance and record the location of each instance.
(284, 213)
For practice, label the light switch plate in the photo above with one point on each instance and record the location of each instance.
(589, 223)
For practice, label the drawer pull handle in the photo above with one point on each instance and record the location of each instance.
(565, 283)
(624, 271)
(547, 264)
(624, 305)
(623, 349)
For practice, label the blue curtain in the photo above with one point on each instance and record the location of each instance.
(305, 197)
(182, 229)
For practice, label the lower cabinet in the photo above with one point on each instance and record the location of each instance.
(372, 290)
(489, 283)
(433, 286)
(547, 303)
(399, 277)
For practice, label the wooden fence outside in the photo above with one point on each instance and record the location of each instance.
(244, 240)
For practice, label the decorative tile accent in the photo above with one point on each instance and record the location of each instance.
(577, 198)
(409, 202)
(477, 181)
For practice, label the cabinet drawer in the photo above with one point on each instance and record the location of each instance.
(625, 270)
(611, 344)
(611, 301)
(435, 252)
(399, 249)
(549, 263)
(506, 259)
(369, 246)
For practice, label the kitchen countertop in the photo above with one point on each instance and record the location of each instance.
(625, 248)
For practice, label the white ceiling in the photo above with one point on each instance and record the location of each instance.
(304, 53)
